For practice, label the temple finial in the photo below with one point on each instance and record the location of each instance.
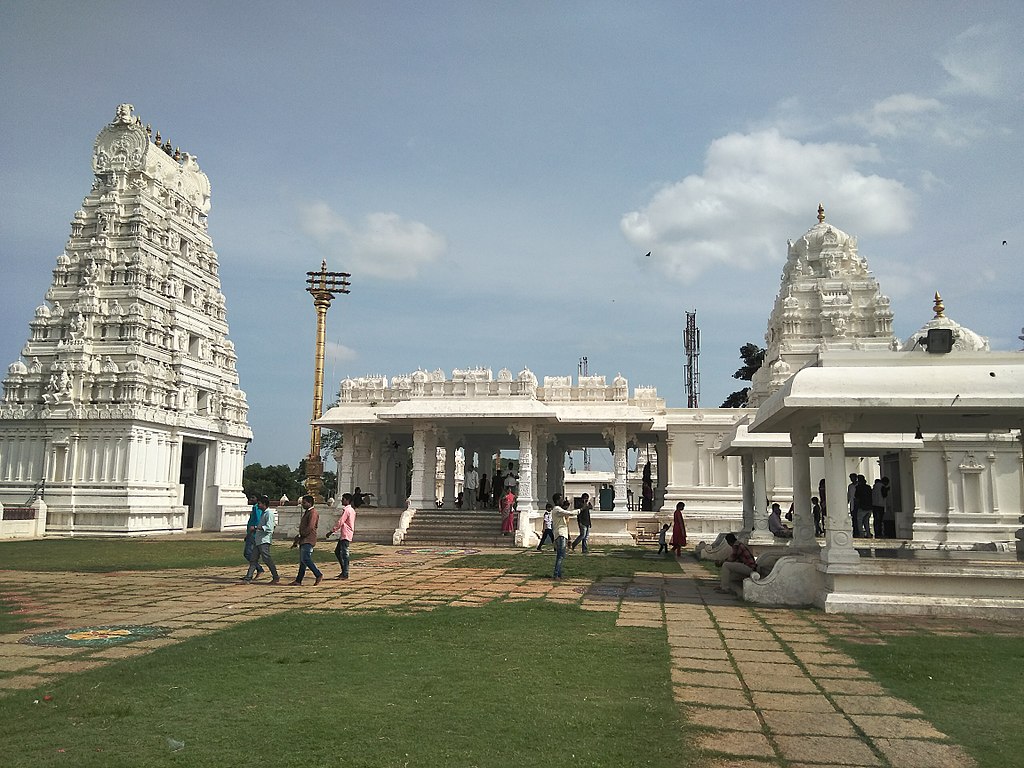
(821, 213)
(939, 307)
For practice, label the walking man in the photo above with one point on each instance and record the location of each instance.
(561, 522)
(250, 526)
(583, 521)
(306, 540)
(263, 532)
(548, 531)
(470, 486)
(345, 527)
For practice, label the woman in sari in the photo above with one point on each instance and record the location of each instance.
(678, 530)
(507, 507)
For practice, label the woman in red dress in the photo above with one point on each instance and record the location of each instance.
(678, 530)
(507, 507)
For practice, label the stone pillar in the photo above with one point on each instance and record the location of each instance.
(803, 522)
(525, 502)
(449, 475)
(838, 535)
(347, 462)
(542, 463)
(747, 469)
(619, 458)
(760, 533)
(662, 483)
(422, 496)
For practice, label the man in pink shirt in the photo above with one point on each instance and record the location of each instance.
(345, 527)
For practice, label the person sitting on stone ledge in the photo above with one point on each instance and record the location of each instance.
(776, 526)
(737, 566)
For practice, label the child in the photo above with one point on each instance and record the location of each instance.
(662, 539)
(548, 531)
(819, 527)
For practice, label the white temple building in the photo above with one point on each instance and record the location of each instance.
(952, 488)
(124, 412)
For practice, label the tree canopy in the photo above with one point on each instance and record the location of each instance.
(753, 357)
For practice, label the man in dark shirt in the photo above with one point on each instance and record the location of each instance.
(583, 521)
(737, 566)
(862, 500)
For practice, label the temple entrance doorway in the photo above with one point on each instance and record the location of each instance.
(192, 459)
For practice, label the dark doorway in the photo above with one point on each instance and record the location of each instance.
(190, 453)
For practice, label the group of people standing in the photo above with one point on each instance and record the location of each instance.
(478, 492)
(556, 527)
(260, 529)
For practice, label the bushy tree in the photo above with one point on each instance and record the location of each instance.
(275, 481)
(753, 357)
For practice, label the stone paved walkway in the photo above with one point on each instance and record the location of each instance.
(765, 685)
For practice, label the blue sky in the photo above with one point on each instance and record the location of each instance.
(492, 174)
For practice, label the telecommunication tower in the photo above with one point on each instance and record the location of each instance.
(583, 369)
(691, 371)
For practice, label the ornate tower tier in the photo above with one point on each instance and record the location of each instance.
(125, 410)
(828, 299)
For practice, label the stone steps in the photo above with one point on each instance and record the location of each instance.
(457, 528)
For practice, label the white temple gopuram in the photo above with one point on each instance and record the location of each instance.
(125, 412)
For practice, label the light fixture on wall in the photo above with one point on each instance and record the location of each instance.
(918, 435)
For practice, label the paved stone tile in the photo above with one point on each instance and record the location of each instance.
(792, 702)
(829, 670)
(697, 653)
(23, 682)
(826, 749)
(913, 753)
(63, 667)
(780, 683)
(819, 657)
(811, 723)
(777, 657)
(859, 687)
(754, 645)
(711, 697)
(703, 665)
(731, 762)
(724, 719)
(740, 743)
(685, 641)
(706, 679)
(875, 705)
(891, 726)
(15, 663)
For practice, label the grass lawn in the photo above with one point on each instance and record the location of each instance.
(143, 554)
(601, 562)
(968, 687)
(524, 684)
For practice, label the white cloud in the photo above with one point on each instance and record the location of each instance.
(982, 61)
(758, 189)
(383, 245)
(896, 114)
(338, 353)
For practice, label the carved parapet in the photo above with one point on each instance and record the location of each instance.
(793, 580)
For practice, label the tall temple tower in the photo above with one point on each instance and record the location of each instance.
(125, 411)
(828, 299)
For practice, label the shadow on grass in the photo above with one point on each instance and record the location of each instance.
(602, 562)
(140, 554)
(968, 687)
(452, 687)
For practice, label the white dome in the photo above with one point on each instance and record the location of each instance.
(964, 339)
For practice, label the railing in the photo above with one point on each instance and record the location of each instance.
(19, 513)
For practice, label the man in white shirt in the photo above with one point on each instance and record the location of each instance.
(470, 485)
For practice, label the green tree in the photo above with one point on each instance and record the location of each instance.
(275, 481)
(753, 357)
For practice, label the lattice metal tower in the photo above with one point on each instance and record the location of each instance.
(583, 369)
(691, 371)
